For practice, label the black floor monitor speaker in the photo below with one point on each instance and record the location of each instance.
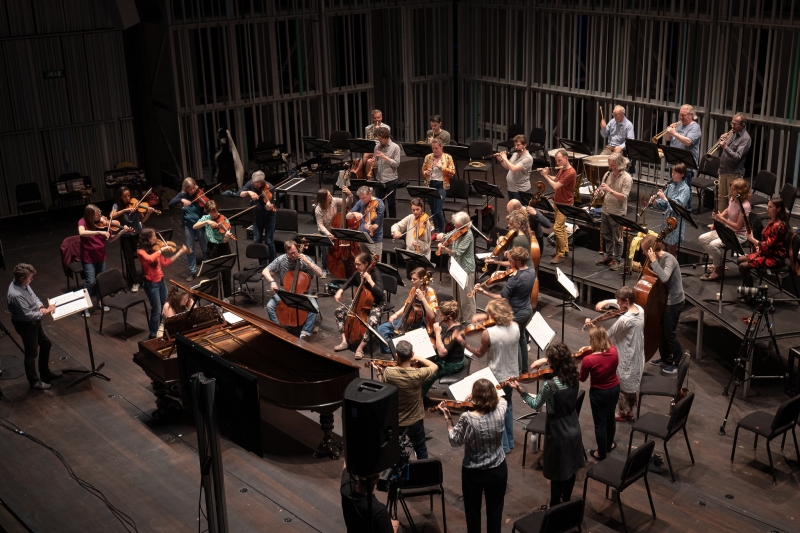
(372, 442)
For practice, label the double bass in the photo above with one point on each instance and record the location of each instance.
(536, 253)
(360, 307)
(651, 295)
(299, 283)
(342, 255)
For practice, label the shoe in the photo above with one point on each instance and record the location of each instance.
(671, 369)
(305, 336)
(594, 454)
(135, 287)
(50, 376)
(709, 277)
(605, 261)
(557, 259)
(190, 277)
(657, 362)
(41, 385)
(614, 265)
(340, 347)
(86, 313)
(359, 354)
(324, 274)
(620, 418)
(631, 417)
(106, 308)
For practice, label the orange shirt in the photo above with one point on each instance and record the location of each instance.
(564, 195)
(151, 265)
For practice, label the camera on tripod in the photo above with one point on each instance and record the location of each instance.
(393, 477)
(759, 294)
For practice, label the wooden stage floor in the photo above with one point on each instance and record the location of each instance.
(150, 470)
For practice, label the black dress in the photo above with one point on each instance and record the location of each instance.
(563, 445)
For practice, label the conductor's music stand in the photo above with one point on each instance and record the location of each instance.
(684, 215)
(316, 240)
(624, 224)
(576, 213)
(419, 151)
(217, 266)
(643, 152)
(298, 302)
(94, 371)
(730, 242)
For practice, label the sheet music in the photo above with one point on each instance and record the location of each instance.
(231, 318)
(458, 273)
(70, 303)
(540, 331)
(463, 388)
(483, 255)
(566, 283)
(420, 341)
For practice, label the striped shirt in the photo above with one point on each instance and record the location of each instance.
(481, 436)
(544, 397)
(464, 252)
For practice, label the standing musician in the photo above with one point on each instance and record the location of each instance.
(436, 131)
(281, 266)
(517, 292)
(192, 211)
(687, 136)
(449, 344)
(666, 268)
(369, 207)
(734, 151)
(423, 315)
(500, 342)
(218, 244)
(417, 229)
(130, 216)
(178, 301)
(94, 240)
(601, 367)
(519, 166)
(374, 284)
(564, 187)
(462, 251)
(327, 208)
(437, 169)
(733, 218)
(265, 215)
(678, 191)
(615, 187)
(536, 220)
(618, 131)
(770, 251)
(627, 335)
(151, 256)
(387, 159)
(370, 132)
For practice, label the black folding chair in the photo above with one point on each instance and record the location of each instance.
(561, 518)
(113, 292)
(425, 478)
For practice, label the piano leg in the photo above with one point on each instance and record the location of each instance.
(327, 448)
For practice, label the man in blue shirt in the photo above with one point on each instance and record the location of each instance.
(26, 316)
(264, 220)
(375, 227)
(617, 131)
(687, 136)
(192, 211)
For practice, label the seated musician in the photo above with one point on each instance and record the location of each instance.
(370, 207)
(732, 218)
(423, 315)
(770, 251)
(449, 344)
(154, 285)
(281, 266)
(373, 282)
(178, 301)
(327, 208)
(417, 229)
(436, 131)
(217, 242)
(536, 220)
(678, 191)
(370, 132)
(462, 251)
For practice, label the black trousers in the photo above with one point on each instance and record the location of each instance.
(218, 250)
(604, 402)
(670, 348)
(416, 434)
(474, 483)
(391, 201)
(128, 243)
(561, 491)
(36, 343)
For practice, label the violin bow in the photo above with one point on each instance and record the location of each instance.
(145, 196)
(205, 193)
(242, 212)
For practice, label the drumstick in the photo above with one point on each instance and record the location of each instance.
(601, 114)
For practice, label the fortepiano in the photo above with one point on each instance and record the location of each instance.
(291, 373)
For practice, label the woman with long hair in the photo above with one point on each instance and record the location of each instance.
(93, 246)
(484, 469)
(563, 446)
(178, 301)
(449, 343)
(732, 218)
(373, 282)
(601, 366)
(327, 208)
(130, 216)
(678, 191)
(154, 285)
(771, 250)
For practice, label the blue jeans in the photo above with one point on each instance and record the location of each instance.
(323, 255)
(508, 433)
(416, 434)
(157, 294)
(190, 235)
(264, 232)
(437, 205)
(604, 402)
(90, 272)
(308, 325)
(387, 331)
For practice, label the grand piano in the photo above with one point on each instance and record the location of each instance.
(290, 373)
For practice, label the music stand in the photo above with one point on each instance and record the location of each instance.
(574, 146)
(355, 184)
(425, 193)
(361, 146)
(570, 211)
(94, 371)
(419, 151)
(298, 302)
(489, 190)
(643, 152)
(414, 260)
(684, 215)
(679, 155)
(730, 242)
(316, 240)
(216, 266)
(625, 224)
(227, 213)
(317, 145)
(352, 235)
(391, 271)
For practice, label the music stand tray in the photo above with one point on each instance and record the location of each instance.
(574, 146)
(314, 239)
(642, 151)
(730, 242)
(424, 192)
(355, 184)
(417, 259)
(352, 235)
(679, 155)
(361, 146)
(391, 271)
(576, 213)
(298, 302)
(682, 212)
(416, 150)
(485, 188)
(317, 145)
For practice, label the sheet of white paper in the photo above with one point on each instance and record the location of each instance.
(458, 273)
(463, 388)
(540, 331)
(483, 255)
(66, 298)
(419, 340)
(566, 283)
(230, 318)
(70, 303)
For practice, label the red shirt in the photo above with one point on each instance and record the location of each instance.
(602, 367)
(93, 247)
(564, 194)
(152, 263)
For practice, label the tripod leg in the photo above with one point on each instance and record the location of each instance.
(730, 400)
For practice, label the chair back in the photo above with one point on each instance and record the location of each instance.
(480, 149)
(538, 136)
(286, 220)
(514, 130)
(339, 139)
(709, 167)
(109, 282)
(389, 283)
(787, 194)
(460, 153)
(563, 517)
(28, 192)
(637, 462)
(387, 227)
(786, 415)
(680, 413)
(459, 188)
(756, 224)
(683, 369)
(424, 473)
(765, 182)
(70, 252)
(256, 250)
(579, 401)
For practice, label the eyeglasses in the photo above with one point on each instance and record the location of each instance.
(736, 123)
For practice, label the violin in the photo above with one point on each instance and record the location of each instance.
(453, 237)
(200, 196)
(386, 364)
(109, 225)
(370, 214)
(140, 206)
(475, 328)
(498, 275)
(162, 246)
(605, 316)
(452, 404)
(224, 225)
(266, 197)
(542, 372)
(502, 245)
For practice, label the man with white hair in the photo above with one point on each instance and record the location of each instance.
(617, 131)
(615, 186)
(686, 136)
(264, 218)
(369, 211)
(462, 251)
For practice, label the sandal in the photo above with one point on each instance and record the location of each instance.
(594, 454)
(340, 347)
(709, 277)
(359, 355)
(613, 446)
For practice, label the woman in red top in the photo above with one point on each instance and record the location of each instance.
(93, 246)
(771, 250)
(154, 284)
(601, 365)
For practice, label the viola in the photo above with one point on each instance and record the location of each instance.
(476, 328)
(605, 316)
(201, 197)
(502, 245)
(453, 237)
(106, 224)
(266, 197)
(411, 314)
(370, 214)
(498, 275)
(162, 246)
(358, 313)
(386, 364)
(297, 282)
(224, 225)
(141, 206)
(452, 404)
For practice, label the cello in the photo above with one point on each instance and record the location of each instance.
(651, 295)
(299, 283)
(358, 314)
(342, 255)
(410, 314)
